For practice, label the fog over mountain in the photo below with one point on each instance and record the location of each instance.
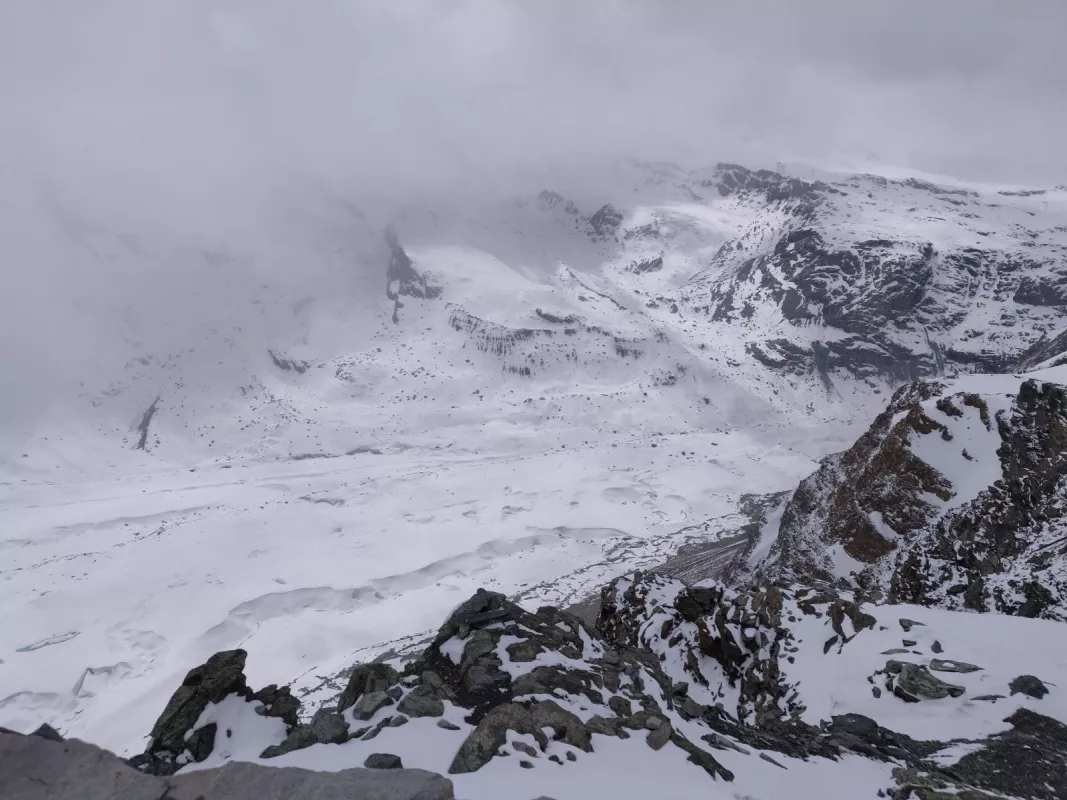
(707, 359)
(209, 119)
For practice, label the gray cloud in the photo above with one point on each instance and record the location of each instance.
(214, 121)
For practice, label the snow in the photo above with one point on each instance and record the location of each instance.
(1004, 647)
(321, 517)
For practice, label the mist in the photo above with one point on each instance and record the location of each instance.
(254, 127)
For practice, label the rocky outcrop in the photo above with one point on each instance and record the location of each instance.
(171, 743)
(402, 279)
(879, 301)
(36, 768)
(604, 224)
(900, 511)
(698, 670)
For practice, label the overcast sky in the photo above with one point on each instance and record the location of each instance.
(195, 117)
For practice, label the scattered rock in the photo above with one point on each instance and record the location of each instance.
(1028, 685)
(522, 747)
(526, 765)
(446, 725)
(908, 624)
(936, 647)
(422, 701)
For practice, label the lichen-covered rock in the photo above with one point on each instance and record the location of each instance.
(911, 682)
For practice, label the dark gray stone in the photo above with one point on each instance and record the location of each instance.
(243, 781)
(659, 736)
(365, 679)
(621, 706)
(220, 676)
(39, 768)
(369, 704)
(383, 761)
(1029, 685)
(491, 734)
(329, 727)
(422, 701)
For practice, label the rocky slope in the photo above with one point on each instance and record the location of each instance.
(717, 693)
(954, 497)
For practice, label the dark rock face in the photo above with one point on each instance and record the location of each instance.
(886, 507)
(220, 676)
(604, 224)
(402, 279)
(383, 761)
(366, 679)
(1029, 685)
(993, 771)
(894, 308)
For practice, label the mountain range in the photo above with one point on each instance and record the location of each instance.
(780, 457)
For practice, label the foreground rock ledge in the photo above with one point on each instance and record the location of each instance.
(38, 768)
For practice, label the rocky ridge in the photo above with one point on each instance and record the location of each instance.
(716, 675)
(954, 497)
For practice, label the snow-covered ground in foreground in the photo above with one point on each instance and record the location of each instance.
(113, 588)
(831, 681)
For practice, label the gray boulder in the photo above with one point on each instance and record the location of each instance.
(220, 676)
(366, 679)
(383, 761)
(369, 704)
(39, 768)
(1029, 685)
(242, 781)
(491, 734)
(422, 701)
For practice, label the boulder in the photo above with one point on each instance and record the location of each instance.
(914, 681)
(1029, 685)
(243, 781)
(491, 734)
(659, 736)
(41, 768)
(422, 701)
(220, 676)
(365, 679)
(369, 704)
(383, 761)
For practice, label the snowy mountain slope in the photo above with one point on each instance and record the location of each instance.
(530, 395)
(676, 691)
(953, 498)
